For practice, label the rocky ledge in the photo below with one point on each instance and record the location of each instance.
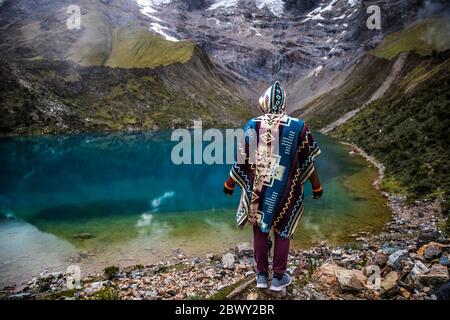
(409, 259)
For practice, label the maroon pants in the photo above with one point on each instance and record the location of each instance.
(261, 248)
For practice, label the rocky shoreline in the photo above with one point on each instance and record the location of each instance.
(408, 260)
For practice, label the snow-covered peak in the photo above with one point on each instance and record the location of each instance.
(275, 6)
(223, 4)
(150, 9)
(149, 6)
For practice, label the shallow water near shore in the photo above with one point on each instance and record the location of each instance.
(96, 200)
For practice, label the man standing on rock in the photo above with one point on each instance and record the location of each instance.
(273, 162)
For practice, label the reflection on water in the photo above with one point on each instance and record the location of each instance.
(119, 197)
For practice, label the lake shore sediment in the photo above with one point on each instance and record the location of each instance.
(407, 260)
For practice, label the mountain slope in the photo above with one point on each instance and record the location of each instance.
(422, 37)
(373, 74)
(113, 74)
(409, 129)
(43, 96)
(395, 103)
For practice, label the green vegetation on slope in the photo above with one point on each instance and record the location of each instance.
(409, 130)
(140, 49)
(356, 91)
(125, 47)
(422, 37)
(52, 96)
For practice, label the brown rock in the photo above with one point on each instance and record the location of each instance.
(432, 251)
(437, 276)
(325, 274)
(380, 259)
(405, 293)
(350, 280)
(389, 281)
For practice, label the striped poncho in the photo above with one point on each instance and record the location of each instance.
(273, 161)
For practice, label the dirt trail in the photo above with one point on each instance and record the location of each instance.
(397, 67)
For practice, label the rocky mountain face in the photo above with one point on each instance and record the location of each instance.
(112, 74)
(259, 41)
(313, 47)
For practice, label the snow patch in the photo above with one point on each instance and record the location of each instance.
(330, 6)
(352, 13)
(340, 17)
(148, 7)
(275, 6)
(315, 72)
(317, 17)
(256, 32)
(352, 3)
(159, 29)
(224, 4)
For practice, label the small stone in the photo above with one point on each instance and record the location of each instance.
(444, 261)
(405, 293)
(249, 273)
(380, 259)
(428, 236)
(395, 259)
(228, 261)
(432, 251)
(244, 249)
(252, 296)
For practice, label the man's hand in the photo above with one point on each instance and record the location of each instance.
(317, 192)
(228, 186)
(227, 191)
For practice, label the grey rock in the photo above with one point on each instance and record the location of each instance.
(432, 251)
(228, 261)
(444, 261)
(395, 259)
(380, 259)
(428, 236)
(437, 276)
(244, 249)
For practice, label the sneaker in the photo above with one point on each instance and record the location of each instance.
(262, 280)
(279, 284)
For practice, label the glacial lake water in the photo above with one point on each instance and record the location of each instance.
(97, 200)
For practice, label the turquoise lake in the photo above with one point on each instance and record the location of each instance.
(117, 199)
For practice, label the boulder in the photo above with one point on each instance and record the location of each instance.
(350, 280)
(389, 281)
(413, 277)
(395, 260)
(244, 249)
(428, 236)
(326, 274)
(380, 259)
(437, 276)
(228, 261)
(432, 251)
